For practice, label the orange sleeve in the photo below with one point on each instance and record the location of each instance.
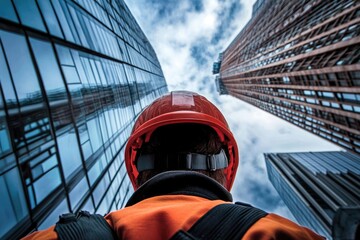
(47, 234)
(274, 227)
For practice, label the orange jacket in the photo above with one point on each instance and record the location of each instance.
(161, 216)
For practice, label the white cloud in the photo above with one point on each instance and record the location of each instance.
(187, 42)
(174, 36)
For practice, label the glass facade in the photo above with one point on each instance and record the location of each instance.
(300, 60)
(317, 187)
(73, 77)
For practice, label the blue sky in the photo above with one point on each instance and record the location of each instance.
(187, 36)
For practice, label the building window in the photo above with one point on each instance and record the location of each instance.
(29, 14)
(13, 205)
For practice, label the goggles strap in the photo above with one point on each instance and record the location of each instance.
(182, 161)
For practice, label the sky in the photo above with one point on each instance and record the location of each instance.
(187, 37)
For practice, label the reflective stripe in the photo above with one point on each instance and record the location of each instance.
(182, 98)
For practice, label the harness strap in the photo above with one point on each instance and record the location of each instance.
(225, 221)
(83, 226)
(184, 161)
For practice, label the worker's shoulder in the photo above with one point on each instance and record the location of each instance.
(47, 234)
(177, 205)
(274, 225)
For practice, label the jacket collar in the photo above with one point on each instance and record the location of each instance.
(180, 183)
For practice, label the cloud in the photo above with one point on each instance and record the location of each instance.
(187, 36)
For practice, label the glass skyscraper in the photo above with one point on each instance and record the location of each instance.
(74, 75)
(300, 60)
(321, 189)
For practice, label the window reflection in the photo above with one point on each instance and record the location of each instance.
(100, 189)
(69, 153)
(45, 166)
(7, 11)
(88, 206)
(12, 202)
(93, 127)
(78, 192)
(41, 174)
(88, 72)
(6, 83)
(79, 24)
(31, 131)
(46, 184)
(29, 14)
(71, 74)
(64, 55)
(5, 146)
(77, 99)
(4, 139)
(78, 65)
(97, 169)
(53, 83)
(49, 69)
(51, 20)
(70, 21)
(63, 21)
(21, 67)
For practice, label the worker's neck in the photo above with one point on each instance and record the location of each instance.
(181, 183)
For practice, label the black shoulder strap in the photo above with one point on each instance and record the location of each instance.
(225, 221)
(83, 226)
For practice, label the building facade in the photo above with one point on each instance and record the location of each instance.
(300, 60)
(321, 189)
(74, 75)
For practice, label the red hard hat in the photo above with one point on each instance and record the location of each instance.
(180, 107)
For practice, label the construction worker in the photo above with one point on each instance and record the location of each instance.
(181, 159)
